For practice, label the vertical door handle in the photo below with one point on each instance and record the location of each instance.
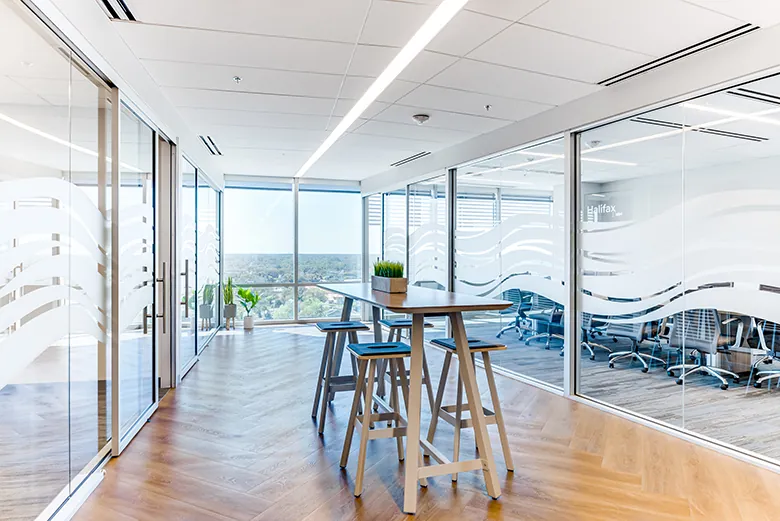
(186, 276)
(161, 280)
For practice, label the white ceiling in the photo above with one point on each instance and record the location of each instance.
(304, 63)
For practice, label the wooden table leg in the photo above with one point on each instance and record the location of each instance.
(412, 461)
(346, 313)
(468, 374)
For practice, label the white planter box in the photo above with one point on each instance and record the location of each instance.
(388, 285)
(249, 322)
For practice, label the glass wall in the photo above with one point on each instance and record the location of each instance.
(55, 268)
(509, 244)
(428, 233)
(188, 240)
(679, 211)
(136, 281)
(260, 245)
(394, 226)
(209, 293)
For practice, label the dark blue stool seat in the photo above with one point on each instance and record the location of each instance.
(353, 325)
(400, 322)
(380, 350)
(475, 344)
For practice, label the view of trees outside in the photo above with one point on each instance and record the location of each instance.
(259, 247)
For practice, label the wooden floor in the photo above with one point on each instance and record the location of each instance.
(236, 441)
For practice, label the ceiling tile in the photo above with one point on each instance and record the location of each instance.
(557, 54)
(301, 18)
(393, 23)
(441, 119)
(466, 31)
(244, 118)
(264, 138)
(415, 133)
(508, 9)
(657, 28)
(211, 47)
(371, 60)
(760, 12)
(511, 83)
(441, 98)
(219, 77)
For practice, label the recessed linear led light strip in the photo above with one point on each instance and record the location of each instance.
(60, 141)
(432, 26)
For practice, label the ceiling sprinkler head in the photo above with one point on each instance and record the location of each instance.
(594, 143)
(488, 107)
(421, 118)
(237, 79)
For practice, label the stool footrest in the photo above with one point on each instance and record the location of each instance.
(450, 468)
(465, 423)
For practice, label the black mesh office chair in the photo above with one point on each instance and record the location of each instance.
(699, 330)
(521, 302)
(589, 326)
(547, 314)
(636, 332)
(768, 341)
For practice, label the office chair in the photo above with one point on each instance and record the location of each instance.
(768, 339)
(589, 327)
(520, 304)
(546, 312)
(699, 330)
(636, 332)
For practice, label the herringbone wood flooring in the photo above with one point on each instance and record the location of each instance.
(236, 442)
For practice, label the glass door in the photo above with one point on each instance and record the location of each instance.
(187, 263)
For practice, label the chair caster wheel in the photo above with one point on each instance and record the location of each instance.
(561, 353)
(644, 369)
(679, 381)
(593, 357)
(757, 385)
(611, 365)
(724, 386)
(670, 373)
(614, 339)
(767, 362)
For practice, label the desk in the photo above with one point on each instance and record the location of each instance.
(420, 302)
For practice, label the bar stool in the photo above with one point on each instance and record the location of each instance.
(396, 326)
(453, 414)
(369, 355)
(328, 383)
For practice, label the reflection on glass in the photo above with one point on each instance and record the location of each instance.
(136, 281)
(428, 234)
(509, 244)
(209, 294)
(394, 231)
(374, 202)
(187, 256)
(330, 224)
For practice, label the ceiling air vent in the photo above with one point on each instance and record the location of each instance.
(703, 130)
(693, 49)
(409, 159)
(210, 145)
(117, 10)
(755, 95)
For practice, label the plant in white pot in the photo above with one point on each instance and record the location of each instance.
(206, 308)
(230, 306)
(389, 277)
(249, 300)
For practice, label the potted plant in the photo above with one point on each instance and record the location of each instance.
(230, 306)
(249, 300)
(206, 309)
(389, 277)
